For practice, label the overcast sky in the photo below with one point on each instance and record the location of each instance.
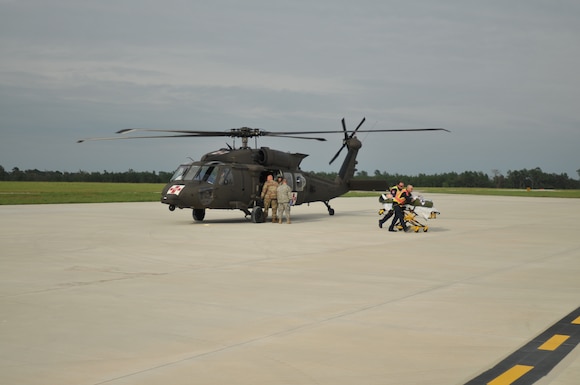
(503, 76)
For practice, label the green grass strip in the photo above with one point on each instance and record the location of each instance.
(25, 193)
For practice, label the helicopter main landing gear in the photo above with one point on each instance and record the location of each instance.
(257, 215)
(330, 209)
(198, 215)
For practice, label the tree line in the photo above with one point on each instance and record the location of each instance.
(516, 179)
(130, 176)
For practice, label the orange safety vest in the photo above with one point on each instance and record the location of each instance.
(399, 197)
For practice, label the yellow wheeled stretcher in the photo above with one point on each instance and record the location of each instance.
(419, 210)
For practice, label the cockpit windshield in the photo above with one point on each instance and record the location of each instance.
(179, 173)
(203, 173)
(191, 172)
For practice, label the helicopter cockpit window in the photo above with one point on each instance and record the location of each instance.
(178, 175)
(191, 172)
(226, 176)
(207, 174)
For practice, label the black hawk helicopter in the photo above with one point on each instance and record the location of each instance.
(232, 178)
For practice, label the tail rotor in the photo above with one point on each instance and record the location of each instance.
(346, 138)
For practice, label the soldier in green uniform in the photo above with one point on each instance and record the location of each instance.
(284, 198)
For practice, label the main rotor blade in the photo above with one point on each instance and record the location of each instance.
(137, 137)
(407, 129)
(193, 132)
(283, 135)
(259, 132)
(198, 134)
(344, 129)
(383, 130)
(237, 132)
(249, 133)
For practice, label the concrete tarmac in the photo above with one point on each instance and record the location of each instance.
(130, 293)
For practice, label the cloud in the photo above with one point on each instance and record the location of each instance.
(501, 76)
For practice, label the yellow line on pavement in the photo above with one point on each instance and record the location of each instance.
(510, 375)
(576, 321)
(554, 341)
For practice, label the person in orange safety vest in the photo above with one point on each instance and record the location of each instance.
(393, 191)
(402, 198)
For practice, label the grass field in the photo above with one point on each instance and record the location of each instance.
(23, 193)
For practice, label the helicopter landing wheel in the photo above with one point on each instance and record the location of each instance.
(330, 209)
(198, 215)
(257, 215)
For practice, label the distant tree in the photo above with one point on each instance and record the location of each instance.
(497, 178)
(362, 174)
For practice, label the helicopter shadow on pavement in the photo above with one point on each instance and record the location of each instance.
(303, 217)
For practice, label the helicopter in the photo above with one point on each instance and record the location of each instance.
(232, 178)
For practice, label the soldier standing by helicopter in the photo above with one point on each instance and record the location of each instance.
(270, 197)
(284, 198)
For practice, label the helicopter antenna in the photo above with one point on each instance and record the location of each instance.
(368, 132)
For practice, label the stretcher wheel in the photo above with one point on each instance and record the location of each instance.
(425, 229)
(416, 229)
(381, 211)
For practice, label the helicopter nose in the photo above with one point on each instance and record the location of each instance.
(188, 196)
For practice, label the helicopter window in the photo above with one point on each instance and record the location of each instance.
(300, 182)
(178, 175)
(207, 174)
(289, 179)
(191, 172)
(226, 176)
(211, 175)
(200, 173)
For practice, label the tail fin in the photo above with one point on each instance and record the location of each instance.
(349, 165)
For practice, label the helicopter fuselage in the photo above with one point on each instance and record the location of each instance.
(233, 179)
